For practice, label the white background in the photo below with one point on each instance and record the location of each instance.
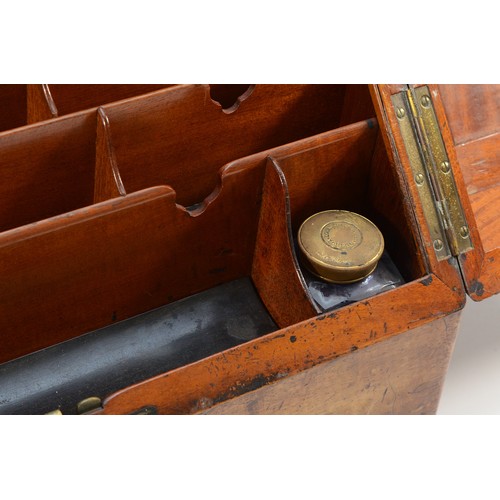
(472, 385)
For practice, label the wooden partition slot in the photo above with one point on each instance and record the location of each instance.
(119, 258)
(46, 169)
(181, 137)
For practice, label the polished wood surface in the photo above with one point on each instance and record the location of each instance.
(70, 98)
(108, 183)
(403, 375)
(289, 351)
(275, 269)
(473, 112)
(40, 105)
(46, 170)
(188, 137)
(31, 103)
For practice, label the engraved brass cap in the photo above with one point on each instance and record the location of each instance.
(340, 246)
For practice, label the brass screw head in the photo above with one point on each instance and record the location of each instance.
(426, 101)
(445, 167)
(438, 245)
(400, 113)
(464, 232)
(419, 179)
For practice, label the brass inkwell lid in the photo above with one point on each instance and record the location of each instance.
(340, 246)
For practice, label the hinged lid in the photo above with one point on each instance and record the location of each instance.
(462, 221)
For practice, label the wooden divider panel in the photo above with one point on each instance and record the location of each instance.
(334, 175)
(181, 137)
(40, 105)
(46, 169)
(331, 176)
(69, 98)
(116, 259)
(275, 270)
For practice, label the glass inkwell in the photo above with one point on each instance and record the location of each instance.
(343, 259)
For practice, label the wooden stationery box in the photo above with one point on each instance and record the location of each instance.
(147, 244)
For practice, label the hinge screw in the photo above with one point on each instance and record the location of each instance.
(445, 167)
(426, 101)
(419, 179)
(400, 113)
(464, 232)
(438, 245)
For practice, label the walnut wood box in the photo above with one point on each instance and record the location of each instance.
(147, 255)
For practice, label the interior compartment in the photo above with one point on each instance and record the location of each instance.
(350, 172)
(178, 136)
(122, 354)
(354, 173)
(46, 170)
(181, 136)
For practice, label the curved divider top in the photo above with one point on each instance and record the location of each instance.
(181, 137)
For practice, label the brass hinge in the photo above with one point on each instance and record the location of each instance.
(432, 172)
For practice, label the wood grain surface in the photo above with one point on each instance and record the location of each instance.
(46, 169)
(473, 113)
(280, 354)
(181, 137)
(108, 183)
(402, 375)
(275, 269)
(70, 98)
(40, 105)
